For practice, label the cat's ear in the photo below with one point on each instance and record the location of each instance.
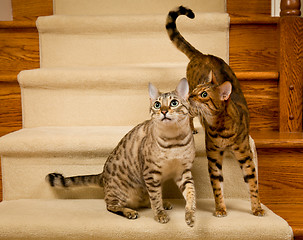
(183, 88)
(212, 78)
(153, 92)
(225, 90)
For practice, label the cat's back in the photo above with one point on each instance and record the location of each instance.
(132, 140)
(198, 70)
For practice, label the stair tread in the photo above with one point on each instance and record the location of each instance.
(93, 77)
(88, 216)
(18, 24)
(275, 139)
(236, 19)
(127, 23)
(100, 140)
(104, 77)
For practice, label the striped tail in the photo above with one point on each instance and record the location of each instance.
(59, 181)
(175, 36)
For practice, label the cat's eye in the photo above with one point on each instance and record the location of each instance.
(157, 105)
(174, 103)
(204, 94)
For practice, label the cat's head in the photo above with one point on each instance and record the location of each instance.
(170, 107)
(210, 98)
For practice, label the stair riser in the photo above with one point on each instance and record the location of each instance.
(78, 107)
(117, 7)
(106, 96)
(24, 178)
(117, 49)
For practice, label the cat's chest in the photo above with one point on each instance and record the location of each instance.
(172, 168)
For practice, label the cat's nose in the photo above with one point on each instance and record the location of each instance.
(164, 112)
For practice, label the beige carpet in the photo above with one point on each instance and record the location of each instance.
(89, 219)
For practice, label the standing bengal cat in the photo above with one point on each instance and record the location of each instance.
(152, 152)
(217, 99)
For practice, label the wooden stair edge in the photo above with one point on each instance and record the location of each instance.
(234, 19)
(275, 139)
(253, 75)
(237, 19)
(17, 24)
(8, 77)
(240, 75)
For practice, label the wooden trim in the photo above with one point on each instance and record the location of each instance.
(276, 139)
(8, 78)
(253, 19)
(257, 75)
(291, 74)
(17, 24)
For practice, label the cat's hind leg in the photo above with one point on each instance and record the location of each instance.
(245, 158)
(215, 159)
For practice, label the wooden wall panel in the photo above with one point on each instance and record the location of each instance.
(24, 10)
(244, 7)
(280, 175)
(10, 107)
(19, 50)
(253, 47)
(263, 102)
(291, 74)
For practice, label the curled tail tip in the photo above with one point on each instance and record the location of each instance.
(55, 180)
(181, 10)
(186, 11)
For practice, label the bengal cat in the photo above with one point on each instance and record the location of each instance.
(152, 152)
(218, 100)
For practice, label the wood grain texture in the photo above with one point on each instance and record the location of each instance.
(31, 9)
(253, 47)
(281, 175)
(292, 213)
(249, 7)
(19, 50)
(276, 139)
(263, 103)
(291, 74)
(10, 107)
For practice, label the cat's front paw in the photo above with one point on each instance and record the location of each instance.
(259, 212)
(162, 217)
(220, 213)
(130, 214)
(190, 218)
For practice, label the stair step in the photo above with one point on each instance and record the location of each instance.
(34, 219)
(28, 155)
(123, 7)
(112, 40)
(93, 96)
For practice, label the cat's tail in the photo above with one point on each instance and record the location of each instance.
(59, 181)
(175, 36)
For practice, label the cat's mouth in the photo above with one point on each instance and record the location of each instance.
(165, 119)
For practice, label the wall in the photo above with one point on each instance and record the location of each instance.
(6, 13)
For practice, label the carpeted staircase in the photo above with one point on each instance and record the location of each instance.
(96, 62)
